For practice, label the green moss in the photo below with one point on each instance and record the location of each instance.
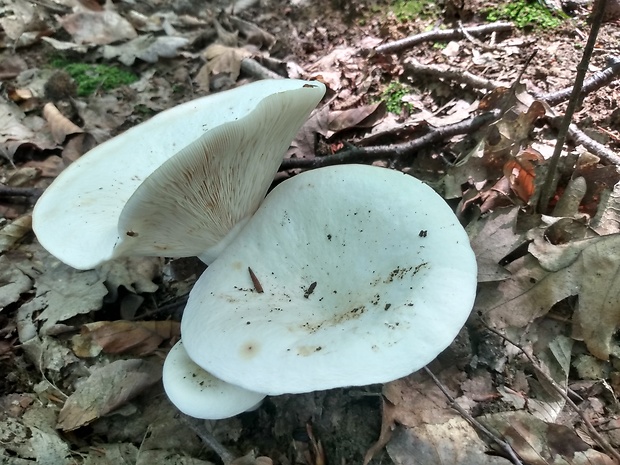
(524, 13)
(91, 78)
(393, 98)
(410, 10)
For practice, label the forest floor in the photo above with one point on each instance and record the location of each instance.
(463, 95)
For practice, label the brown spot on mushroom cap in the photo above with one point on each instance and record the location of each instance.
(250, 350)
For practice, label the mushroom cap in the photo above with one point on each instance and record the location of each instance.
(367, 276)
(199, 394)
(177, 184)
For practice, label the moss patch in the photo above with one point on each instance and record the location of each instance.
(524, 13)
(393, 98)
(91, 78)
(410, 10)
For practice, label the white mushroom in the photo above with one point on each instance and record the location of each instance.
(199, 394)
(181, 184)
(367, 276)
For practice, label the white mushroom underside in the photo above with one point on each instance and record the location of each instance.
(200, 394)
(77, 218)
(367, 276)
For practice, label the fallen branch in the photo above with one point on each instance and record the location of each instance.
(392, 151)
(255, 69)
(439, 35)
(578, 137)
(507, 448)
(592, 84)
(32, 192)
(450, 72)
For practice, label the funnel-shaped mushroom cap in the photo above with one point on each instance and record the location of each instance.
(367, 276)
(177, 184)
(199, 394)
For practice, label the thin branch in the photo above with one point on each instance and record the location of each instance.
(198, 427)
(449, 72)
(551, 178)
(255, 69)
(392, 151)
(32, 192)
(601, 441)
(507, 448)
(440, 35)
(578, 137)
(592, 84)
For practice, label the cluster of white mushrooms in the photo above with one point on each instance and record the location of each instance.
(341, 276)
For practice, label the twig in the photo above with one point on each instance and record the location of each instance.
(198, 427)
(391, 151)
(473, 40)
(8, 191)
(580, 138)
(507, 448)
(601, 441)
(440, 35)
(255, 69)
(592, 84)
(551, 178)
(453, 73)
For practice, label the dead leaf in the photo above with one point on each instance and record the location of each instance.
(492, 238)
(16, 135)
(137, 338)
(304, 144)
(588, 268)
(365, 116)
(147, 48)
(13, 232)
(506, 136)
(223, 59)
(540, 443)
(62, 292)
(105, 390)
(520, 172)
(454, 442)
(97, 27)
(60, 125)
(13, 282)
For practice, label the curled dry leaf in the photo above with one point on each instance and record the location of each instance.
(105, 390)
(521, 174)
(137, 338)
(59, 124)
(12, 233)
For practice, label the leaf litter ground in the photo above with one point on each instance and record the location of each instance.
(81, 352)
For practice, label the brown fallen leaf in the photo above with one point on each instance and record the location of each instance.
(541, 443)
(105, 390)
(97, 27)
(365, 116)
(454, 442)
(588, 268)
(137, 338)
(59, 124)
